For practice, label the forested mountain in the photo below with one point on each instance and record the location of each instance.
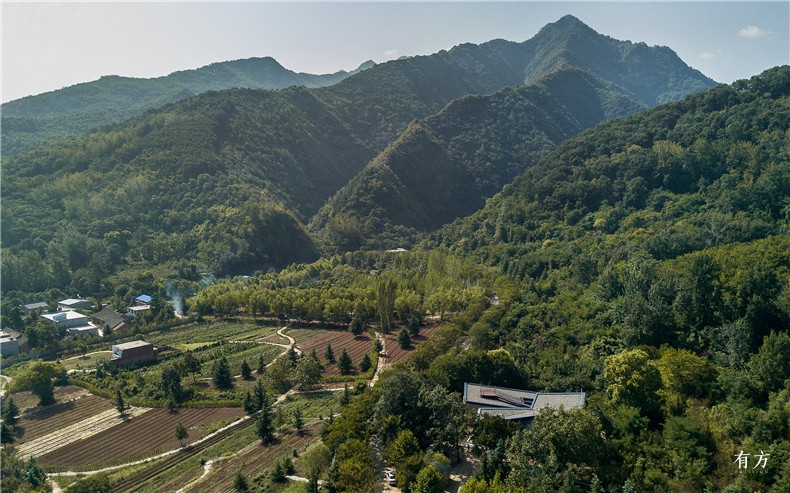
(205, 179)
(34, 120)
(446, 165)
(645, 261)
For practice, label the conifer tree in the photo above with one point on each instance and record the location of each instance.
(246, 371)
(329, 353)
(263, 425)
(220, 374)
(344, 363)
(404, 340)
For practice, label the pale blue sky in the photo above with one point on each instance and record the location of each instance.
(46, 46)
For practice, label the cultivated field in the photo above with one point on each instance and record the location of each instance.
(356, 347)
(254, 461)
(395, 353)
(27, 401)
(81, 430)
(154, 431)
(61, 415)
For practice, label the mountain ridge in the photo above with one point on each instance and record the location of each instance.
(112, 98)
(182, 181)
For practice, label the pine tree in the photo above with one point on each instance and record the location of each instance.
(263, 425)
(259, 395)
(415, 323)
(181, 433)
(364, 363)
(329, 354)
(240, 483)
(10, 412)
(356, 326)
(220, 374)
(344, 363)
(246, 371)
(120, 405)
(298, 420)
(404, 340)
(261, 365)
(248, 404)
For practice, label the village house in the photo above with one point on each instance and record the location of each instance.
(111, 319)
(75, 323)
(133, 353)
(517, 405)
(9, 342)
(33, 307)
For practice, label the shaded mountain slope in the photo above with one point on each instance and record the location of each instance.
(446, 165)
(708, 171)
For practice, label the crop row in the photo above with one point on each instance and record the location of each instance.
(211, 332)
(355, 346)
(78, 431)
(153, 430)
(38, 424)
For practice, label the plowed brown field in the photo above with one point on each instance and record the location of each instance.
(152, 431)
(356, 347)
(395, 353)
(59, 416)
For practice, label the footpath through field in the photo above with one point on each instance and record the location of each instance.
(173, 456)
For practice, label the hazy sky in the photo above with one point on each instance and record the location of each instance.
(49, 45)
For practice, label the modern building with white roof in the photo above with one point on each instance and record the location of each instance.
(518, 405)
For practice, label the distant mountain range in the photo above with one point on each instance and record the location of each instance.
(33, 120)
(228, 180)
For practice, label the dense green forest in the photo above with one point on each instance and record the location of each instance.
(226, 181)
(35, 120)
(646, 261)
(446, 165)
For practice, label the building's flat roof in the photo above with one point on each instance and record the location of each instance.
(139, 308)
(73, 301)
(131, 344)
(64, 315)
(517, 404)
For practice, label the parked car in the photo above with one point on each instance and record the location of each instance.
(390, 477)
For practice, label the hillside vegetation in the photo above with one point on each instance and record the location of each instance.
(34, 120)
(446, 166)
(225, 181)
(646, 261)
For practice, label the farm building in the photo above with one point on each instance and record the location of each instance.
(75, 304)
(517, 405)
(9, 342)
(132, 353)
(32, 307)
(75, 323)
(143, 299)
